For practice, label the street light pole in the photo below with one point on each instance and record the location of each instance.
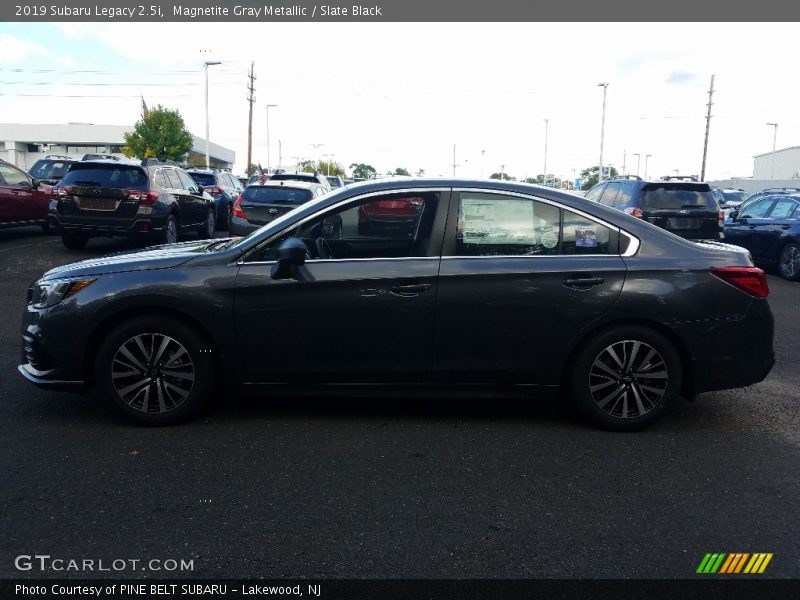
(482, 153)
(602, 129)
(207, 64)
(646, 158)
(638, 158)
(268, 107)
(774, 139)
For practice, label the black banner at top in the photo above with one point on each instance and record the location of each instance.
(271, 11)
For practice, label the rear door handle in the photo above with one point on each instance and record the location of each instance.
(583, 282)
(409, 291)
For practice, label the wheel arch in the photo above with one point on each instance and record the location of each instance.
(687, 367)
(114, 319)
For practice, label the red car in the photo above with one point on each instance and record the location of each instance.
(23, 200)
(389, 216)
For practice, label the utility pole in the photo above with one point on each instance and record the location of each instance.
(625, 161)
(602, 132)
(546, 126)
(454, 160)
(280, 156)
(774, 139)
(251, 98)
(708, 125)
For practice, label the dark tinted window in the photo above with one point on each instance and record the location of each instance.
(672, 196)
(734, 196)
(625, 195)
(583, 236)
(204, 179)
(294, 176)
(609, 195)
(111, 176)
(276, 195)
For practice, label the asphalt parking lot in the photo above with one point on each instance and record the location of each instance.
(387, 488)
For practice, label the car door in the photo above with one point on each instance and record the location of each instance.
(365, 311)
(19, 202)
(520, 279)
(749, 228)
(194, 205)
(780, 226)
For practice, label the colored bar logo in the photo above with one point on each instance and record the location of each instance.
(738, 562)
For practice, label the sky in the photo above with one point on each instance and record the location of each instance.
(404, 94)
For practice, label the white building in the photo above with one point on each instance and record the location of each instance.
(786, 164)
(22, 144)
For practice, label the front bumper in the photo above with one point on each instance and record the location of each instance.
(43, 380)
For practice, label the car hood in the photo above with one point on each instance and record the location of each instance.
(154, 257)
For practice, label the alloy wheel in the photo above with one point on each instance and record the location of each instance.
(152, 373)
(628, 379)
(790, 261)
(172, 232)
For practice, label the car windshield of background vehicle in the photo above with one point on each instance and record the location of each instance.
(496, 225)
(49, 170)
(675, 196)
(11, 176)
(204, 179)
(110, 176)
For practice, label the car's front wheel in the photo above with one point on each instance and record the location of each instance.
(156, 370)
(625, 378)
(789, 262)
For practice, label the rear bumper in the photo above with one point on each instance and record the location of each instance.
(138, 227)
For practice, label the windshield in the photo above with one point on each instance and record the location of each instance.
(109, 176)
(736, 197)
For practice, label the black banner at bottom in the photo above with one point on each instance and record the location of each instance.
(425, 589)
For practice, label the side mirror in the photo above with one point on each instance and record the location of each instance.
(291, 261)
(734, 214)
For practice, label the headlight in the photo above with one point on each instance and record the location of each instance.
(49, 293)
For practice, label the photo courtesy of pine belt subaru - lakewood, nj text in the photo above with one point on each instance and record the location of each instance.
(411, 286)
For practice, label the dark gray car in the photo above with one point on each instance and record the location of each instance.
(260, 204)
(495, 288)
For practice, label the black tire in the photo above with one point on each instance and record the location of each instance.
(150, 392)
(48, 227)
(169, 234)
(74, 240)
(209, 226)
(225, 224)
(624, 378)
(789, 262)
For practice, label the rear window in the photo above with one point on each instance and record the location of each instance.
(204, 179)
(111, 176)
(293, 176)
(676, 196)
(277, 195)
(47, 169)
(735, 196)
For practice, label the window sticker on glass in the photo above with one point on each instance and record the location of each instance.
(497, 221)
(550, 239)
(586, 237)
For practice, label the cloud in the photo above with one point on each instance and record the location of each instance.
(14, 49)
(681, 77)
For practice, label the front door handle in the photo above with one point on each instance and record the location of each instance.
(583, 282)
(409, 291)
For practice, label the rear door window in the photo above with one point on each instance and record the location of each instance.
(783, 209)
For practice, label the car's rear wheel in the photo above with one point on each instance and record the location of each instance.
(789, 262)
(74, 240)
(209, 226)
(155, 370)
(169, 234)
(625, 378)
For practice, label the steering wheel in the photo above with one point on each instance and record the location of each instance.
(323, 249)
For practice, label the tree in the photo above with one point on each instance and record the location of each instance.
(161, 133)
(307, 166)
(253, 169)
(329, 167)
(589, 176)
(401, 171)
(363, 171)
(503, 176)
(420, 172)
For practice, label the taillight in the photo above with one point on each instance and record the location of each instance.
(214, 191)
(144, 198)
(721, 216)
(634, 212)
(237, 211)
(750, 280)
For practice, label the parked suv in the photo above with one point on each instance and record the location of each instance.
(260, 204)
(684, 207)
(51, 168)
(23, 199)
(223, 187)
(153, 200)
